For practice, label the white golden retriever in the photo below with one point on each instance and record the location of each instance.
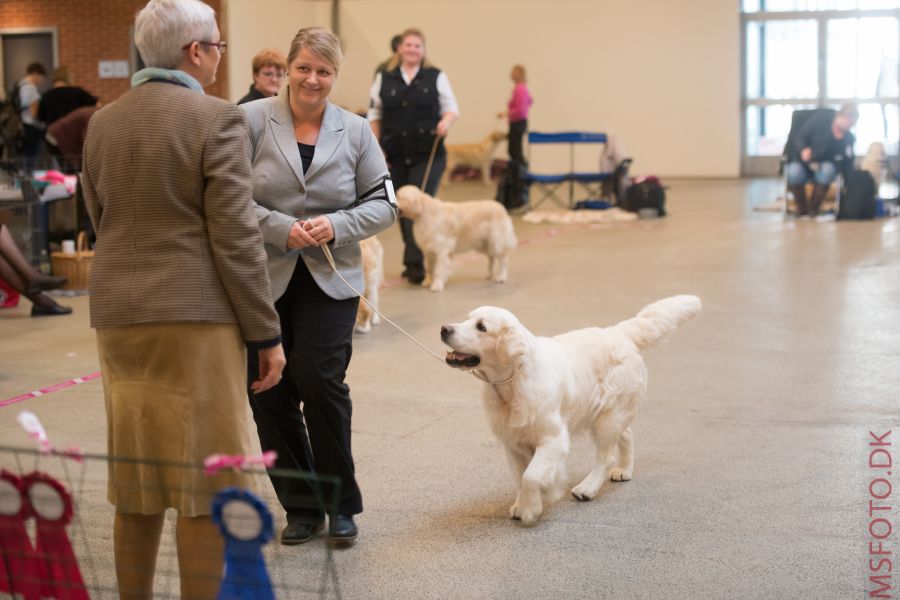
(540, 391)
(443, 229)
(373, 272)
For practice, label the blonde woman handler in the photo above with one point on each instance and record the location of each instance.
(319, 178)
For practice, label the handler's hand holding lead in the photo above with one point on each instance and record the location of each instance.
(299, 237)
(320, 229)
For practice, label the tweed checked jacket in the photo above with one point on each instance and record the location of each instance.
(167, 185)
(345, 181)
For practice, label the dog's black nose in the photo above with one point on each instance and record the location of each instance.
(446, 331)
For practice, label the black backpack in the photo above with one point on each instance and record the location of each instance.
(858, 196)
(512, 189)
(645, 192)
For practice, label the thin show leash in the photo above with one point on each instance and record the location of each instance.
(434, 147)
(475, 372)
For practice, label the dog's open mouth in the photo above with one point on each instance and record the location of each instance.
(460, 359)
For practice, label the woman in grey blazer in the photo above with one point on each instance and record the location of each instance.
(319, 178)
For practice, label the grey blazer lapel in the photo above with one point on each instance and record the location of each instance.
(282, 123)
(330, 135)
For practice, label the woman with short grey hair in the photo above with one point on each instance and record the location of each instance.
(164, 27)
(179, 295)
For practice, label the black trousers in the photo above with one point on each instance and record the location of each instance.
(318, 332)
(517, 129)
(413, 174)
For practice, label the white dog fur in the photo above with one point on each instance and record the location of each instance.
(373, 272)
(443, 229)
(545, 390)
(478, 156)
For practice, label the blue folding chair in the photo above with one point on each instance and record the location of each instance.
(548, 183)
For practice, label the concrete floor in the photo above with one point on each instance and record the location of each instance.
(751, 477)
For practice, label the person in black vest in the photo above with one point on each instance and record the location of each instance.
(818, 144)
(412, 107)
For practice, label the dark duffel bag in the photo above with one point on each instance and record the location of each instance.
(858, 196)
(512, 189)
(646, 193)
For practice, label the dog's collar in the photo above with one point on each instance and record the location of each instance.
(480, 375)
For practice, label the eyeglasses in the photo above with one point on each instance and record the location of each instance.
(220, 46)
(273, 74)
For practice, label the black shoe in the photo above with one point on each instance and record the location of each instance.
(414, 274)
(44, 283)
(343, 530)
(300, 533)
(50, 310)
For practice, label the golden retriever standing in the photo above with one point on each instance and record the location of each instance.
(540, 391)
(446, 228)
(373, 272)
(478, 156)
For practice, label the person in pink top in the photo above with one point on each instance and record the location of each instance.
(517, 113)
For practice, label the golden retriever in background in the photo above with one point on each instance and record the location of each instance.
(477, 156)
(443, 229)
(541, 391)
(373, 272)
(873, 163)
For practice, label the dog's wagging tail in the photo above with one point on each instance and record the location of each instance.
(656, 321)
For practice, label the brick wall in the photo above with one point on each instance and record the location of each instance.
(93, 30)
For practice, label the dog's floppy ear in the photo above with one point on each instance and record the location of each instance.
(512, 344)
(412, 202)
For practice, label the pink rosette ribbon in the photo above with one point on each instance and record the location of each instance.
(216, 462)
(32, 426)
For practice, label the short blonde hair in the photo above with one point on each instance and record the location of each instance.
(320, 41)
(268, 58)
(395, 60)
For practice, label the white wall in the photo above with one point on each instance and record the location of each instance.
(256, 24)
(663, 75)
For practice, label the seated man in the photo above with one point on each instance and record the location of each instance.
(818, 146)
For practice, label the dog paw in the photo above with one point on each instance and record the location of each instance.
(618, 474)
(364, 327)
(499, 279)
(527, 508)
(437, 286)
(582, 493)
(528, 516)
(376, 319)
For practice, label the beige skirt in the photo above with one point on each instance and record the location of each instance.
(175, 393)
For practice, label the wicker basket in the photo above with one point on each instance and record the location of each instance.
(76, 267)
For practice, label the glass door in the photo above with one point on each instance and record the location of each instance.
(808, 53)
